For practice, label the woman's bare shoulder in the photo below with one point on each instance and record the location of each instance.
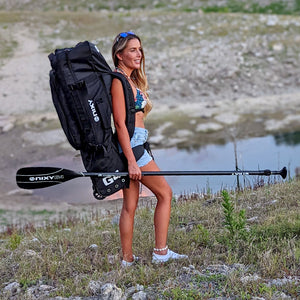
(116, 82)
(116, 86)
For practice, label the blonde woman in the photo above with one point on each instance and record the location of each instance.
(129, 59)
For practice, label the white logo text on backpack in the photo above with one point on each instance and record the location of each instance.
(93, 109)
(110, 179)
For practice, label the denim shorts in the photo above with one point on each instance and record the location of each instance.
(140, 137)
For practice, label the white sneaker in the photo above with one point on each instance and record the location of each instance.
(156, 258)
(125, 263)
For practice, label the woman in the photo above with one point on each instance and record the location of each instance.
(128, 57)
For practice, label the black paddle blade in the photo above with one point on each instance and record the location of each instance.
(41, 177)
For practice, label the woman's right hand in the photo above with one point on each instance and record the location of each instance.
(134, 171)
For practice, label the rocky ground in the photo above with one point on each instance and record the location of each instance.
(211, 76)
(188, 278)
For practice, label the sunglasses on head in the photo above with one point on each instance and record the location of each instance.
(125, 34)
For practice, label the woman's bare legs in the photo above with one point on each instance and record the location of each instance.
(130, 201)
(161, 189)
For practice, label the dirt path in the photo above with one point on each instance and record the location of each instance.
(24, 78)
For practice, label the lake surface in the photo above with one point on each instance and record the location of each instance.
(269, 152)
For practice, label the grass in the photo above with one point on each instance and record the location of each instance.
(7, 46)
(7, 215)
(210, 232)
(233, 6)
(275, 7)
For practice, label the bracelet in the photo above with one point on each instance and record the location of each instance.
(162, 249)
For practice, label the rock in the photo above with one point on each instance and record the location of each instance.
(227, 118)
(275, 125)
(253, 219)
(93, 247)
(191, 270)
(139, 296)
(39, 292)
(110, 291)
(160, 129)
(280, 296)
(272, 20)
(172, 142)
(133, 289)
(192, 27)
(224, 269)
(278, 47)
(95, 287)
(30, 253)
(45, 138)
(7, 127)
(210, 126)
(7, 123)
(218, 269)
(112, 258)
(12, 289)
(106, 234)
(272, 202)
(157, 139)
(250, 278)
(115, 220)
(283, 281)
(184, 133)
(20, 192)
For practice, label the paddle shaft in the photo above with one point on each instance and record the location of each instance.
(188, 173)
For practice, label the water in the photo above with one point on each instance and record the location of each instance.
(269, 152)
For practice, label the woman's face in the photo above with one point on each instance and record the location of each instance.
(132, 55)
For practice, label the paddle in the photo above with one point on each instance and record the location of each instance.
(42, 177)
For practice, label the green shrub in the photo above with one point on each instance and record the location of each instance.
(14, 241)
(235, 222)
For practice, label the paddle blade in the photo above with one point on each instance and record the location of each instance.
(42, 177)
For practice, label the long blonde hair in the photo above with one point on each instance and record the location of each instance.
(138, 76)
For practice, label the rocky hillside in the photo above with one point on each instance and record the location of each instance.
(283, 6)
(218, 68)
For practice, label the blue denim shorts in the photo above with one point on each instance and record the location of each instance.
(140, 137)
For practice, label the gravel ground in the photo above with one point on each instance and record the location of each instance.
(209, 74)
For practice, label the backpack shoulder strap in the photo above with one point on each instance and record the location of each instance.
(129, 102)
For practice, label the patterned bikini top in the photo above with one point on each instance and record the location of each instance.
(140, 100)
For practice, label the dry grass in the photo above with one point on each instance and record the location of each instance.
(60, 253)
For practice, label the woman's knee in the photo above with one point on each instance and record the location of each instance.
(129, 210)
(130, 198)
(165, 194)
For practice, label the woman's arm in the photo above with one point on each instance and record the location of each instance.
(119, 114)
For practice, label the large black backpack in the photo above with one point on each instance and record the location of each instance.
(80, 82)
